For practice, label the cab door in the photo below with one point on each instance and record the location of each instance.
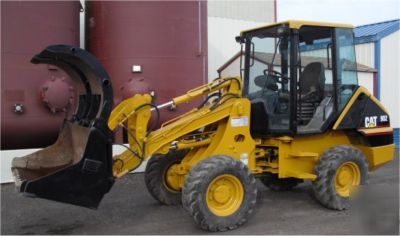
(268, 82)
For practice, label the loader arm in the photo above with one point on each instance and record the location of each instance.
(134, 114)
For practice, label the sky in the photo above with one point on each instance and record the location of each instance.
(356, 12)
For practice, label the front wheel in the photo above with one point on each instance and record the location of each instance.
(339, 170)
(220, 193)
(161, 178)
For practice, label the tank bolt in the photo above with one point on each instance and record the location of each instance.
(18, 108)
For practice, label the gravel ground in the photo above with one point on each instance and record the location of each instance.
(129, 209)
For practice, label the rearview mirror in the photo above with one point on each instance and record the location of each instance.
(239, 39)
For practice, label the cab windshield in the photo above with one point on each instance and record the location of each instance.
(269, 62)
(268, 74)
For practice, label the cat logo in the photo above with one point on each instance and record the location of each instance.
(371, 121)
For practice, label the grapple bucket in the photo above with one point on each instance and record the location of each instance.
(77, 168)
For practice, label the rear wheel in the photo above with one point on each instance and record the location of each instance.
(274, 183)
(220, 193)
(161, 178)
(340, 170)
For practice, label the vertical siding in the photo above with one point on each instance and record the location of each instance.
(390, 76)
(225, 21)
(221, 41)
(366, 79)
(259, 11)
(365, 54)
(397, 137)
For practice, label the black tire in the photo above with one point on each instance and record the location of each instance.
(273, 182)
(155, 177)
(324, 186)
(195, 189)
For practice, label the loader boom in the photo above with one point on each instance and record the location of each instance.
(134, 114)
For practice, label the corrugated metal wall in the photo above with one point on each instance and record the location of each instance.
(365, 54)
(259, 11)
(225, 21)
(390, 76)
(397, 137)
(221, 41)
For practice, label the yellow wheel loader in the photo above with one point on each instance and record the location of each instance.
(295, 113)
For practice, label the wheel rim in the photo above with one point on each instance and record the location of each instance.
(347, 176)
(171, 178)
(224, 195)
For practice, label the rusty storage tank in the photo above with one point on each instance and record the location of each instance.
(150, 46)
(34, 98)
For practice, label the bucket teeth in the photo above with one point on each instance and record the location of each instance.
(19, 162)
(17, 179)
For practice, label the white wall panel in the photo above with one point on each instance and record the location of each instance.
(221, 41)
(365, 54)
(225, 21)
(366, 79)
(259, 11)
(390, 76)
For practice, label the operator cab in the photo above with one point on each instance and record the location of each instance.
(298, 76)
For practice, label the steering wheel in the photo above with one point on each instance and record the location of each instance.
(272, 72)
(277, 75)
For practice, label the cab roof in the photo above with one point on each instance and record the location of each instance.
(297, 24)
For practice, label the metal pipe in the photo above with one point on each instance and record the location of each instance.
(167, 104)
(183, 145)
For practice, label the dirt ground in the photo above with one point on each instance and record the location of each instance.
(129, 209)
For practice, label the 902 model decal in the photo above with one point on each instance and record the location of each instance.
(372, 121)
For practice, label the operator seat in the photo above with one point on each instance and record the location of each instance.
(312, 82)
(311, 91)
(263, 104)
(268, 92)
